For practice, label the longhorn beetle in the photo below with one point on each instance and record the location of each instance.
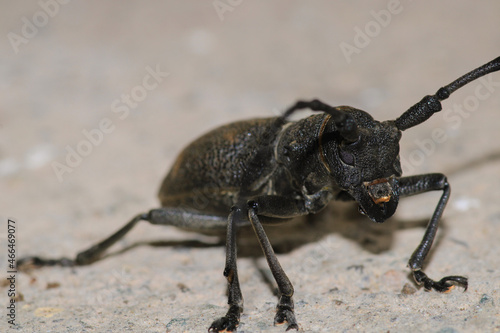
(265, 171)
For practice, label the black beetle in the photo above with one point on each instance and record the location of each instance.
(264, 171)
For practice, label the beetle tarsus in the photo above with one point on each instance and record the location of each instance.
(444, 285)
(36, 262)
(229, 322)
(285, 313)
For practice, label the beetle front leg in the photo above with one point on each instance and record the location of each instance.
(420, 184)
(231, 320)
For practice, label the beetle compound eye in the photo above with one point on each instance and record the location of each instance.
(347, 157)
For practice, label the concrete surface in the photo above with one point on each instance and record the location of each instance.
(64, 69)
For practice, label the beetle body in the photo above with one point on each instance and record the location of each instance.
(302, 162)
(265, 171)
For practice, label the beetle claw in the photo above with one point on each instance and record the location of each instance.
(445, 285)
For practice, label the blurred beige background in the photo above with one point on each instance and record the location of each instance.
(142, 79)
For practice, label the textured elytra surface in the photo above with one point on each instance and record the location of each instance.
(348, 273)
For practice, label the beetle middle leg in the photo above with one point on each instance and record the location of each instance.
(271, 207)
(285, 307)
(235, 300)
(284, 207)
(419, 184)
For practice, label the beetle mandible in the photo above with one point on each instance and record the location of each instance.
(265, 171)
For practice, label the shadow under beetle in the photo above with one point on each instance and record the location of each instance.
(264, 171)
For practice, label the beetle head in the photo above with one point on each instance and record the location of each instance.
(362, 154)
(366, 166)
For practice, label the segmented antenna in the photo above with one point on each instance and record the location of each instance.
(431, 104)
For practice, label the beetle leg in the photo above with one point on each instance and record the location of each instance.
(231, 320)
(285, 307)
(174, 216)
(88, 256)
(419, 184)
(92, 254)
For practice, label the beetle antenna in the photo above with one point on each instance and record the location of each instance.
(431, 104)
(344, 122)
